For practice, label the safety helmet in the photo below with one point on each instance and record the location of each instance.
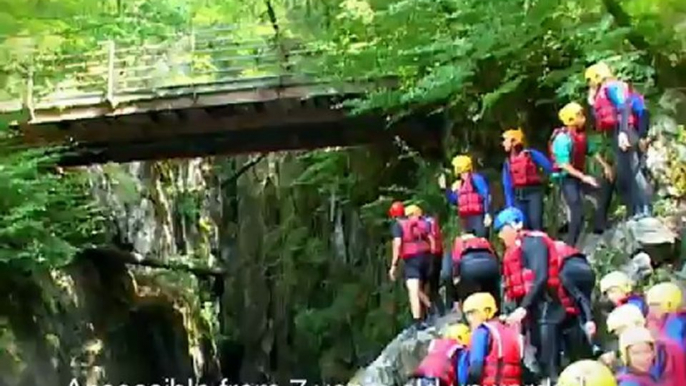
(632, 336)
(462, 164)
(480, 301)
(617, 279)
(597, 73)
(397, 209)
(586, 373)
(459, 332)
(413, 210)
(569, 113)
(665, 295)
(517, 135)
(508, 216)
(626, 315)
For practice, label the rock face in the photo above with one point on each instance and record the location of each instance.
(402, 356)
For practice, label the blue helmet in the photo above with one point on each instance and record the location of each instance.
(508, 216)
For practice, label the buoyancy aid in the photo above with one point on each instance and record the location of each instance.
(437, 235)
(639, 379)
(462, 246)
(502, 365)
(469, 201)
(439, 361)
(415, 240)
(675, 368)
(523, 170)
(579, 148)
(659, 326)
(607, 116)
(519, 279)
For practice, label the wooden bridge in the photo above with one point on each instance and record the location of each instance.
(221, 91)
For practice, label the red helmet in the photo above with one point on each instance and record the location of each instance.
(397, 209)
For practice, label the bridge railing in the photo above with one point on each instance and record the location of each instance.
(194, 61)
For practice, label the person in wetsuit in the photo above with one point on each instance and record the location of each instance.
(475, 267)
(570, 149)
(412, 243)
(531, 272)
(620, 112)
(495, 351)
(470, 195)
(666, 317)
(522, 180)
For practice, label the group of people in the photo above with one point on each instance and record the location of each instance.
(547, 283)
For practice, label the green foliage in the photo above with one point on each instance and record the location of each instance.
(44, 216)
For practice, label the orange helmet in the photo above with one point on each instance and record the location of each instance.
(397, 209)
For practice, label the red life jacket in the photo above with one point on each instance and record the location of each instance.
(502, 365)
(523, 170)
(639, 379)
(469, 201)
(415, 241)
(437, 235)
(675, 369)
(658, 325)
(438, 362)
(607, 116)
(462, 246)
(519, 280)
(564, 252)
(579, 148)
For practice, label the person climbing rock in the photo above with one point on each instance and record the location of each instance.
(471, 196)
(617, 287)
(649, 361)
(620, 319)
(586, 373)
(578, 280)
(522, 181)
(666, 317)
(619, 111)
(445, 363)
(532, 280)
(476, 266)
(412, 242)
(569, 150)
(495, 351)
(435, 265)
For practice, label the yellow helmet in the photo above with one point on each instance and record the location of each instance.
(480, 301)
(462, 164)
(586, 373)
(665, 295)
(459, 332)
(597, 73)
(517, 135)
(413, 210)
(632, 336)
(569, 113)
(624, 316)
(617, 279)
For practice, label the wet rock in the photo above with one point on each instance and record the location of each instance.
(400, 358)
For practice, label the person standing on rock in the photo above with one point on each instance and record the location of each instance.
(476, 267)
(471, 196)
(578, 280)
(446, 359)
(531, 270)
(620, 111)
(569, 149)
(617, 288)
(435, 265)
(522, 180)
(495, 351)
(412, 243)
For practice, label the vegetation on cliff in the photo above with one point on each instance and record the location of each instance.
(308, 293)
